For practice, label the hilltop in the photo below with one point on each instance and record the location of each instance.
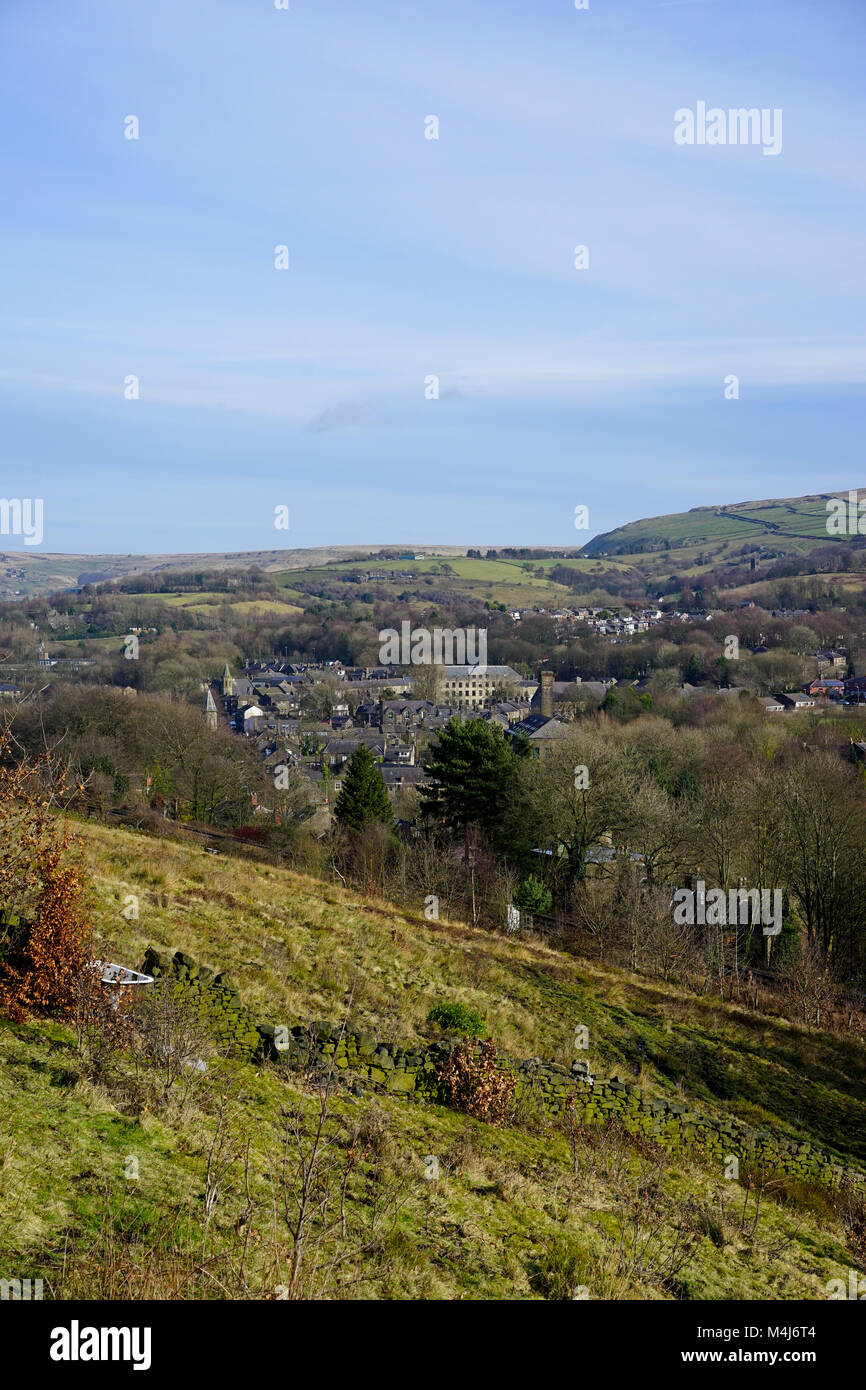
(640, 552)
(24, 573)
(788, 525)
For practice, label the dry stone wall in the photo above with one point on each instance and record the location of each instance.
(413, 1071)
(214, 997)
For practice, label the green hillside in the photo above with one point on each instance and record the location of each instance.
(643, 549)
(105, 1176)
(788, 525)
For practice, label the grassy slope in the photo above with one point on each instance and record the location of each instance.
(762, 592)
(797, 523)
(228, 912)
(502, 581)
(505, 1194)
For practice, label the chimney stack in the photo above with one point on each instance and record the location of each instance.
(547, 694)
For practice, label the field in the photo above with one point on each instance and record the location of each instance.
(516, 583)
(191, 600)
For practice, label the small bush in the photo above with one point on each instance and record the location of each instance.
(533, 896)
(456, 1018)
(472, 1082)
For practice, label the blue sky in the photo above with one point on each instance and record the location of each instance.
(412, 257)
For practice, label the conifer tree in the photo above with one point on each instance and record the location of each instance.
(470, 769)
(363, 797)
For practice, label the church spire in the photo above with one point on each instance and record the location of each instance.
(210, 710)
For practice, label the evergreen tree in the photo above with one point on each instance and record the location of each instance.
(693, 669)
(533, 896)
(471, 767)
(363, 796)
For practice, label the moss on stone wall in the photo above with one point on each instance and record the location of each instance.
(414, 1071)
(213, 997)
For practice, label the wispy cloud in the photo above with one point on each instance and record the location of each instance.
(412, 257)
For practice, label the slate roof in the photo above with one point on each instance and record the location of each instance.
(539, 727)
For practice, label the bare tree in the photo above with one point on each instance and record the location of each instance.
(173, 1036)
(327, 1161)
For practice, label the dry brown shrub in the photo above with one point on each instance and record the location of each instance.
(45, 963)
(474, 1083)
